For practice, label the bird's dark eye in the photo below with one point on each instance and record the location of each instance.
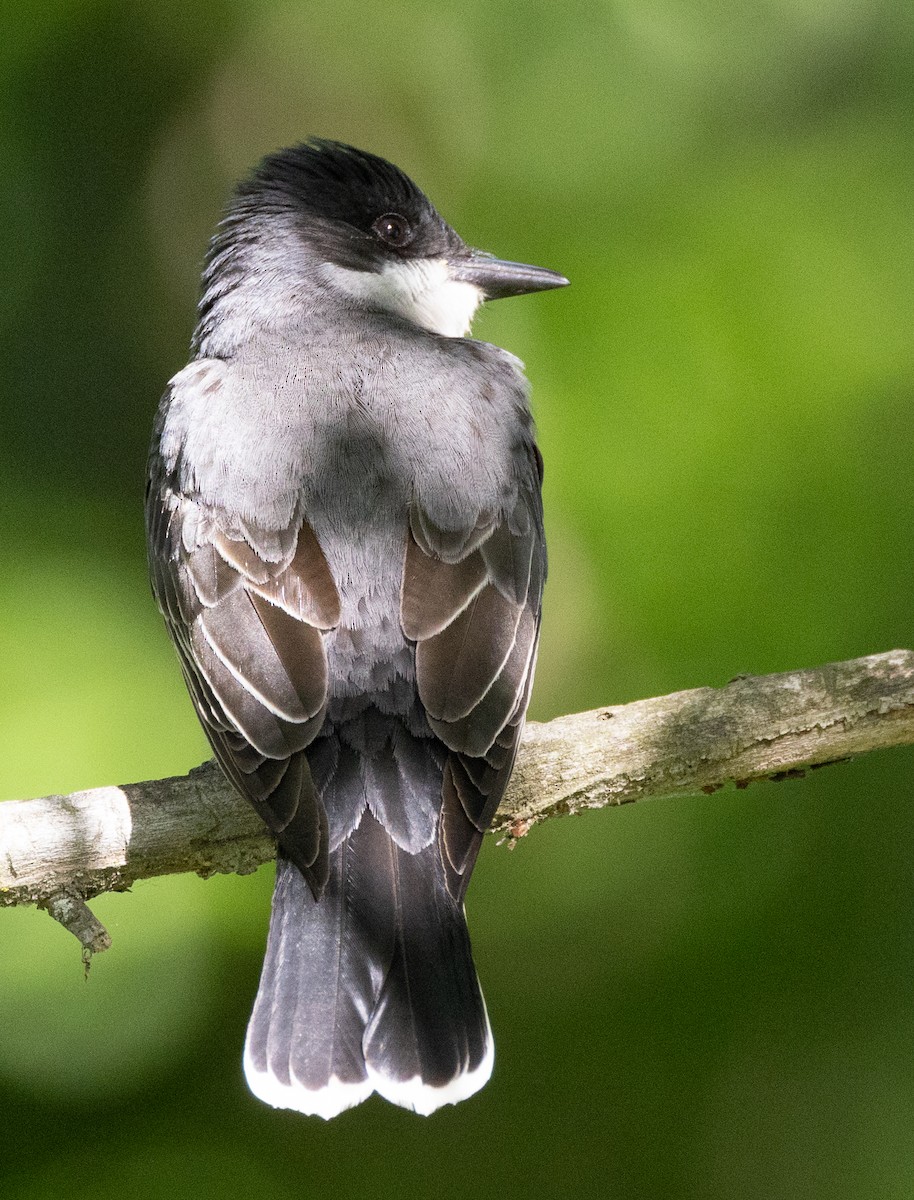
(394, 230)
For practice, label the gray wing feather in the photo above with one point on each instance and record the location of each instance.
(246, 614)
(432, 598)
(471, 601)
(456, 667)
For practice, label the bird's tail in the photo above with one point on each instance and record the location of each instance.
(371, 988)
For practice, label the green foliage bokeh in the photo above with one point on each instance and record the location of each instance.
(707, 999)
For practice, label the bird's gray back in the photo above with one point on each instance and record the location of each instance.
(347, 429)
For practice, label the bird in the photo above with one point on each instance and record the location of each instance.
(345, 535)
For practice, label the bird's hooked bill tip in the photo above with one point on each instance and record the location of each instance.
(497, 278)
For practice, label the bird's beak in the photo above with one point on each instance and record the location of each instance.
(496, 278)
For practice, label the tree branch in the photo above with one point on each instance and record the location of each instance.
(60, 850)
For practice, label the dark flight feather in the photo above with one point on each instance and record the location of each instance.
(255, 666)
(474, 673)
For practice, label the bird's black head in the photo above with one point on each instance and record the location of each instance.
(359, 209)
(324, 220)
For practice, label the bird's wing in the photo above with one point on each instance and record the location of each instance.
(245, 608)
(471, 602)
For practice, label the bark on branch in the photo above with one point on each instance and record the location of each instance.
(59, 851)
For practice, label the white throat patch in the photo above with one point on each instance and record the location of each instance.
(420, 290)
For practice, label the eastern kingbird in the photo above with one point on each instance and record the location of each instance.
(346, 541)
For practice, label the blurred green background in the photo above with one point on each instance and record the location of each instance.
(705, 999)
